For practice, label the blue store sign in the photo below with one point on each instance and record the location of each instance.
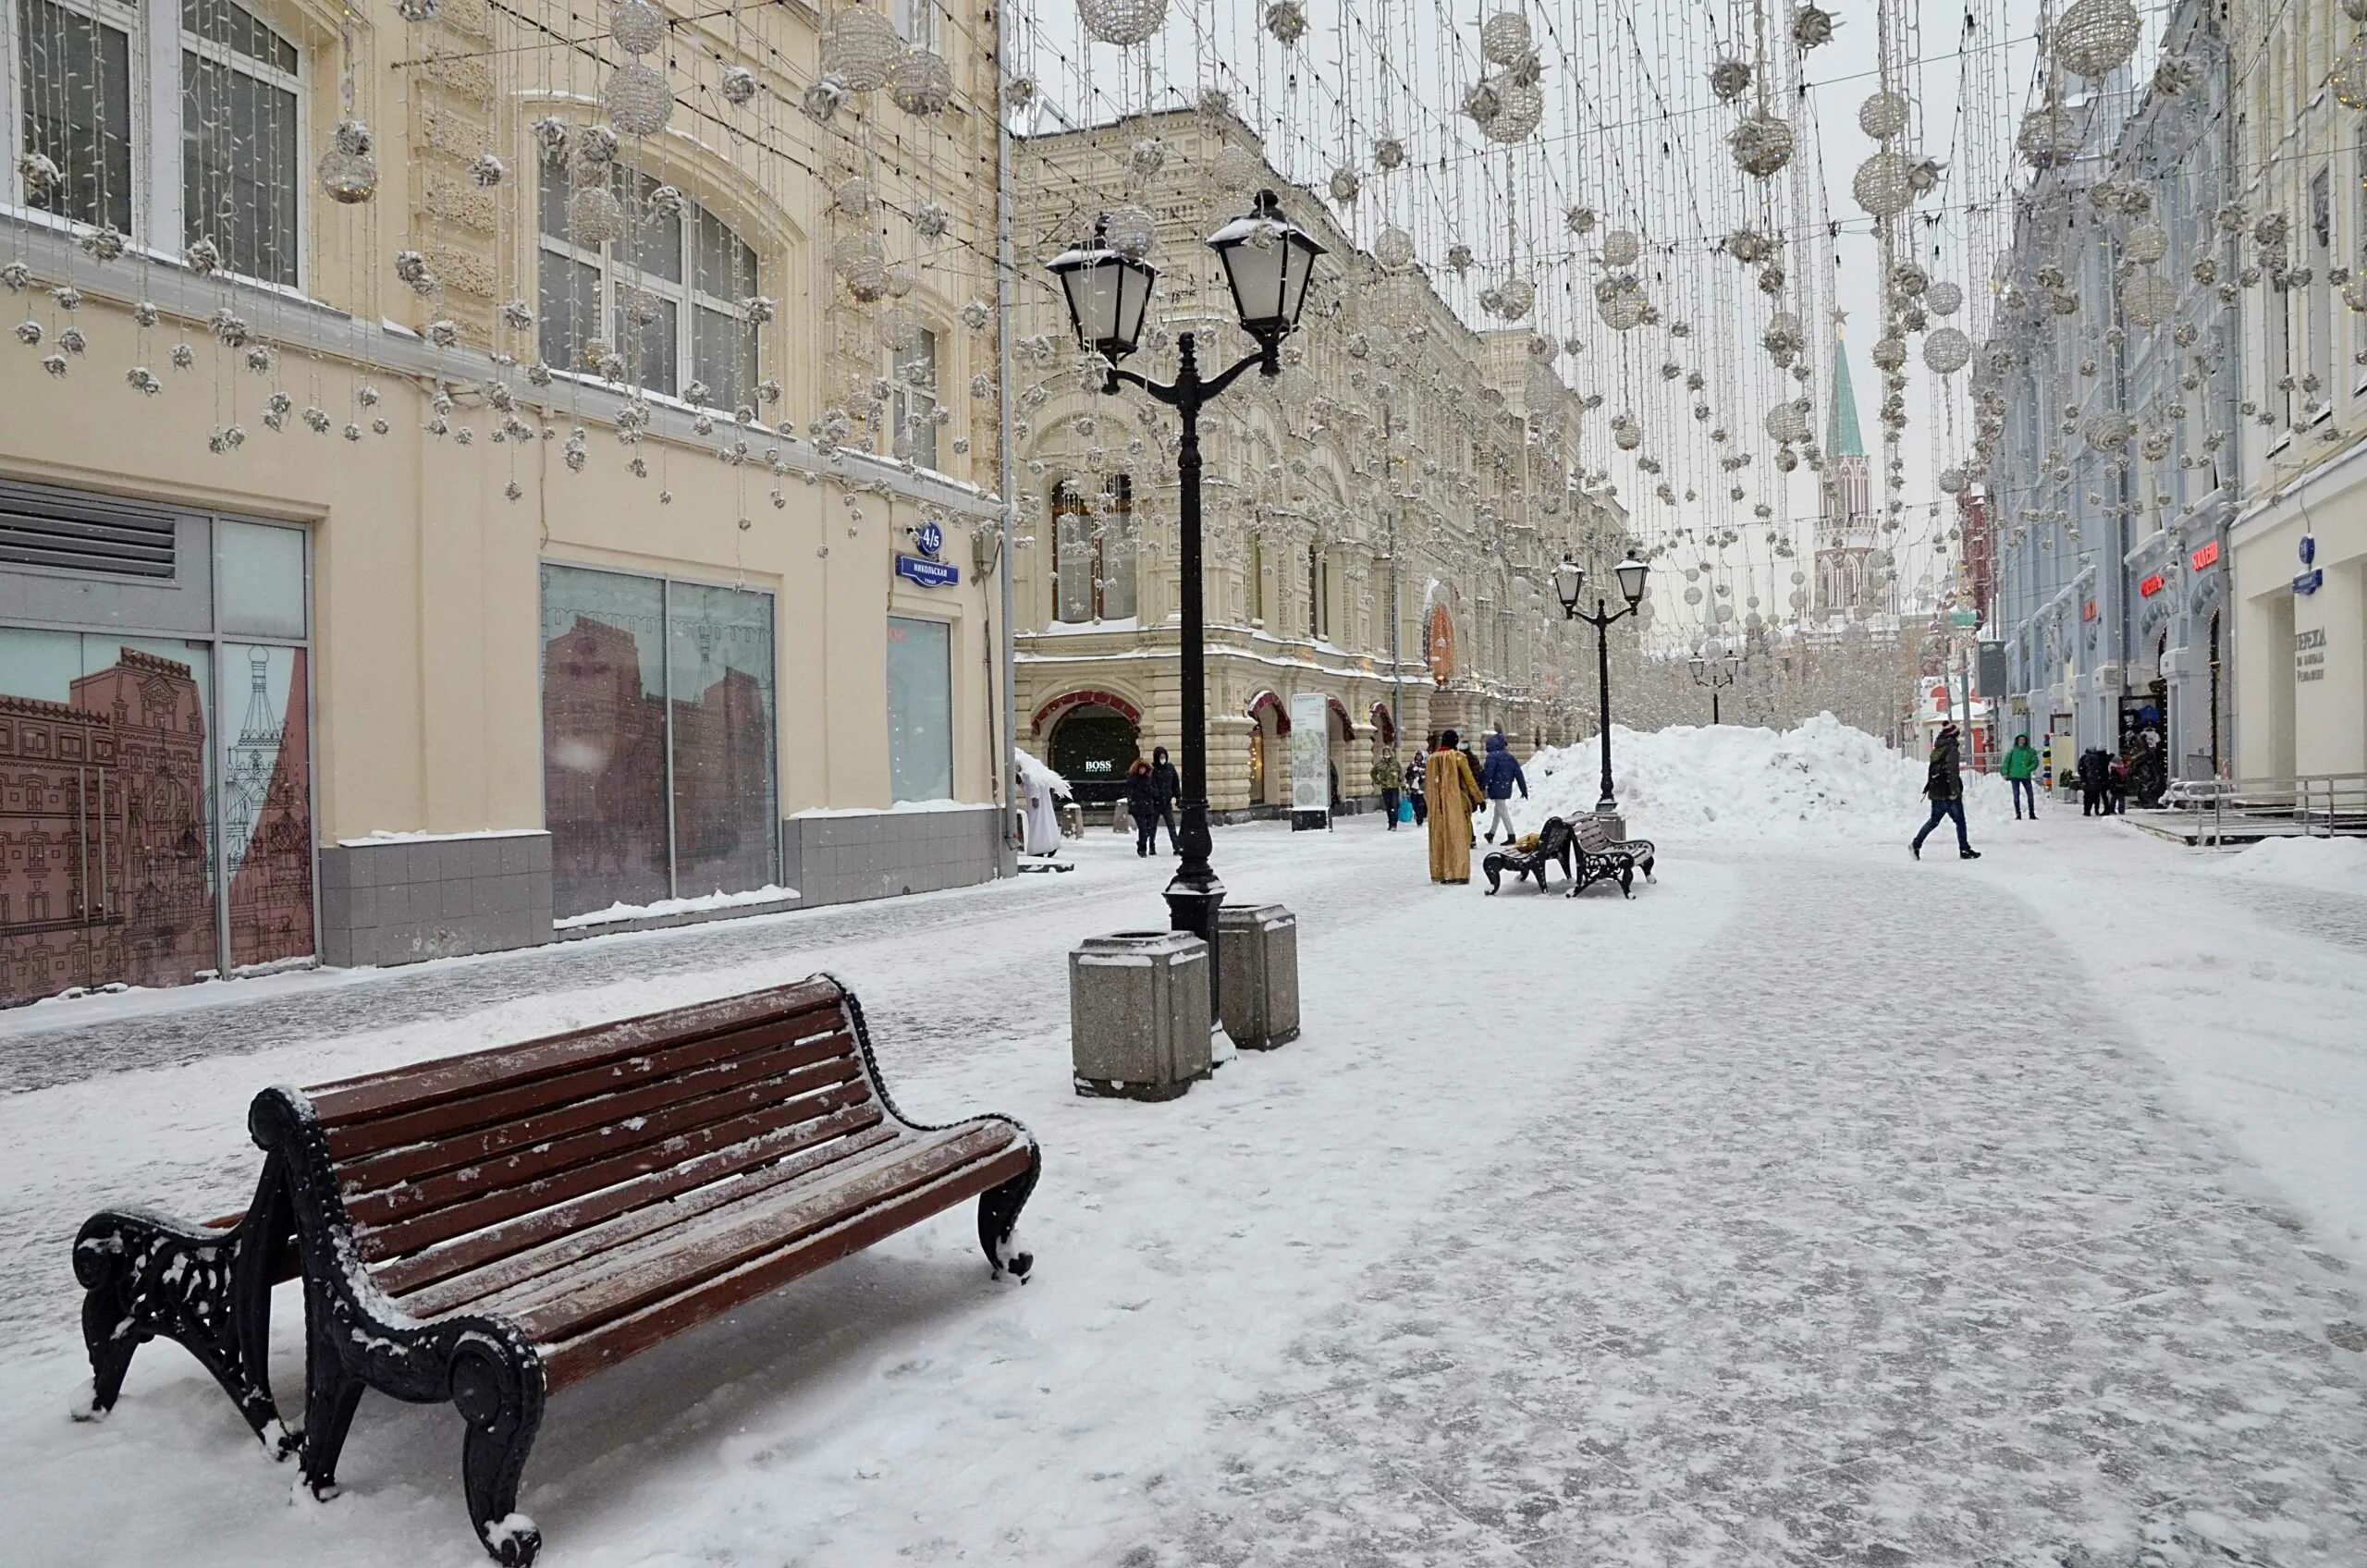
(927, 573)
(2310, 578)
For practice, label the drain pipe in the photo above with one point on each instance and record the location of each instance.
(1007, 466)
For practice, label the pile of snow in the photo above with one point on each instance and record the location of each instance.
(770, 893)
(2338, 865)
(1821, 780)
(1038, 775)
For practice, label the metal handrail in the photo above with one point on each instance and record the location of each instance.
(2318, 801)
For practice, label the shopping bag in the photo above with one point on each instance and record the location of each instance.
(1405, 811)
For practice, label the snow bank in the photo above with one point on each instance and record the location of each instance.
(2338, 865)
(1821, 780)
(770, 893)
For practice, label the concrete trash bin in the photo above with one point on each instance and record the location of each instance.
(1258, 945)
(1138, 1014)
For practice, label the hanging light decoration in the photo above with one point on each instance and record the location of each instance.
(860, 45)
(638, 99)
(2049, 137)
(1761, 143)
(1286, 20)
(1944, 299)
(1946, 350)
(1812, 27)
(922, 82)
(2147, 300)
(1880, 185)
(1621, 248)
(1882, 116)
(1123, 22)
(1729, 79)
(2094, 38)
(1505, 38)
(348, 172)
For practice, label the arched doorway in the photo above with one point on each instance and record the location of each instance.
(1269, 761)
(1091, 738)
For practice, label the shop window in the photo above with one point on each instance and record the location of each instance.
(670, 294)
(1095, 550)
(920, 709)
(224, 173)
(657, 739)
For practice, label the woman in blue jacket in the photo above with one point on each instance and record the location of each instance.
(1499, 776)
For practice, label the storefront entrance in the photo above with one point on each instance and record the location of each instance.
(1092, 747)
(155, 786)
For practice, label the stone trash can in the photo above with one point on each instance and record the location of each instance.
(1258, 945)
(1138, 1014)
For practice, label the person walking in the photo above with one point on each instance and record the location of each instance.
(1498, 776)
(1454, 795)
(1943, 786)
(1167, 791)
(2021, 772)
(1473, 764)
(1414, 768)
(1386, 776)
(2091, 781)
(1142, 804)
(2117, 787)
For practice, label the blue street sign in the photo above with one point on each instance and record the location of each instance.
(928, 574)
(931, 540)
(2310, 581)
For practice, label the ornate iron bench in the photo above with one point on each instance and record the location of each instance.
(488, 1228)
(1602, 859)
(1552, 849)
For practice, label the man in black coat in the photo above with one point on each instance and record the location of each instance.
(1167, 790)
(2093, 768)
(1943, 787)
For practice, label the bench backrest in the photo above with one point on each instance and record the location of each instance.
(1593, 836)
(455, 1168)
(1553, 837)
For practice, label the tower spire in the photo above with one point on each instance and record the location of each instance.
(1842, 439)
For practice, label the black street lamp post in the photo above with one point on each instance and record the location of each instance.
(1714, 673)
(1569, 579)
(1268, 261)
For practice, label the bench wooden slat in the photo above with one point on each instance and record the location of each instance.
(397, 1130)
(476, 1267)
(492, 1208)
(421, 1085)
(632, 1279)
(675, 1077)
(536, 1162)
(572, 1360)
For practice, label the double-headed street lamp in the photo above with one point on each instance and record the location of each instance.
(1569, 578)
(1268, 261)
(1714, 673)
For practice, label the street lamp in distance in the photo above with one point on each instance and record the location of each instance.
(1569, 582)
(1714, 673)
(1268, 261)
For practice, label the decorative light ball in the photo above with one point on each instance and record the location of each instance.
(2146, 243)
(348, 174)
(862, 262)
(594, 217)
(1882, 116)
(1788, 420)
(737, 84)
(922, 82)
(1946, 350)
(418, 10)
(1619, 301)
(1761, 143)
(1146, 156)
(1812, 27)
(2093, 38)
(1693, 595)
(638, 98)
(1388, 154)
(1621, 248)
(1889, 353)
(593, 148)
(1729, 79)
(2147, 300)
(638, 27)
(1505, 38)
(860, 46)
(931, 219)
(1626, 437)
(1909, 281)
(1130, 230)
(1515, 296)
(2349, 78)
(1345, 185)
(2107, 432)
(1520, 110)
(1123, 22)
(1286, 20)
(854, 197)
(1880, 185)
(1239, 167)
(899, 331)
(2049, 138)
(1944, 299)
(901, 279)
(1395, 250)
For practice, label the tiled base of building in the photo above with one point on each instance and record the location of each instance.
(844, 857)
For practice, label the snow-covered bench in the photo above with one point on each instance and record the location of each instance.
(491, 1228)
(1552, 849)
(1602, 858)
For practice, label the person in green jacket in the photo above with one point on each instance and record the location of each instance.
(2021, 771)
(1386, 774)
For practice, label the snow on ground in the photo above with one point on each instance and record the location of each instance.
(2337, 865)
(1815, 1205)
(1732, 781)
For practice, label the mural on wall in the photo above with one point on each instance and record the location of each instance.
(106, 864)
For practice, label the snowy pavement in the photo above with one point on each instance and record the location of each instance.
(1816, 1207)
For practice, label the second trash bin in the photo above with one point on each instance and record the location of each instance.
(1258, 944)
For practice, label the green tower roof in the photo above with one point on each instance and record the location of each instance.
(1842, 439)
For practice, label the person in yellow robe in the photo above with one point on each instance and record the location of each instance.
(1454, 795)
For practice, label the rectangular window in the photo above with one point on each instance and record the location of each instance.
(74, 80)
(916, 23)
(1254, 588)
(920, 709)
(2320, 295)
(239, 146)
(1095, 550)
(914, 375)
(657, 739)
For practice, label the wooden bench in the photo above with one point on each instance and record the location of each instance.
(1552, 849)
(488, 1228)
(1602, 859)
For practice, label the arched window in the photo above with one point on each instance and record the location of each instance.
(1093, 560)
(668, 296)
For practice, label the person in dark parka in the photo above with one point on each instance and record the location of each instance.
(1167, 790)
(1943, 787)
(1142, 804)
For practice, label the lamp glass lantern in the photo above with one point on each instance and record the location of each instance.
(1107, 292)
(1569, 577)
(1630, 574)
(1269, 261)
